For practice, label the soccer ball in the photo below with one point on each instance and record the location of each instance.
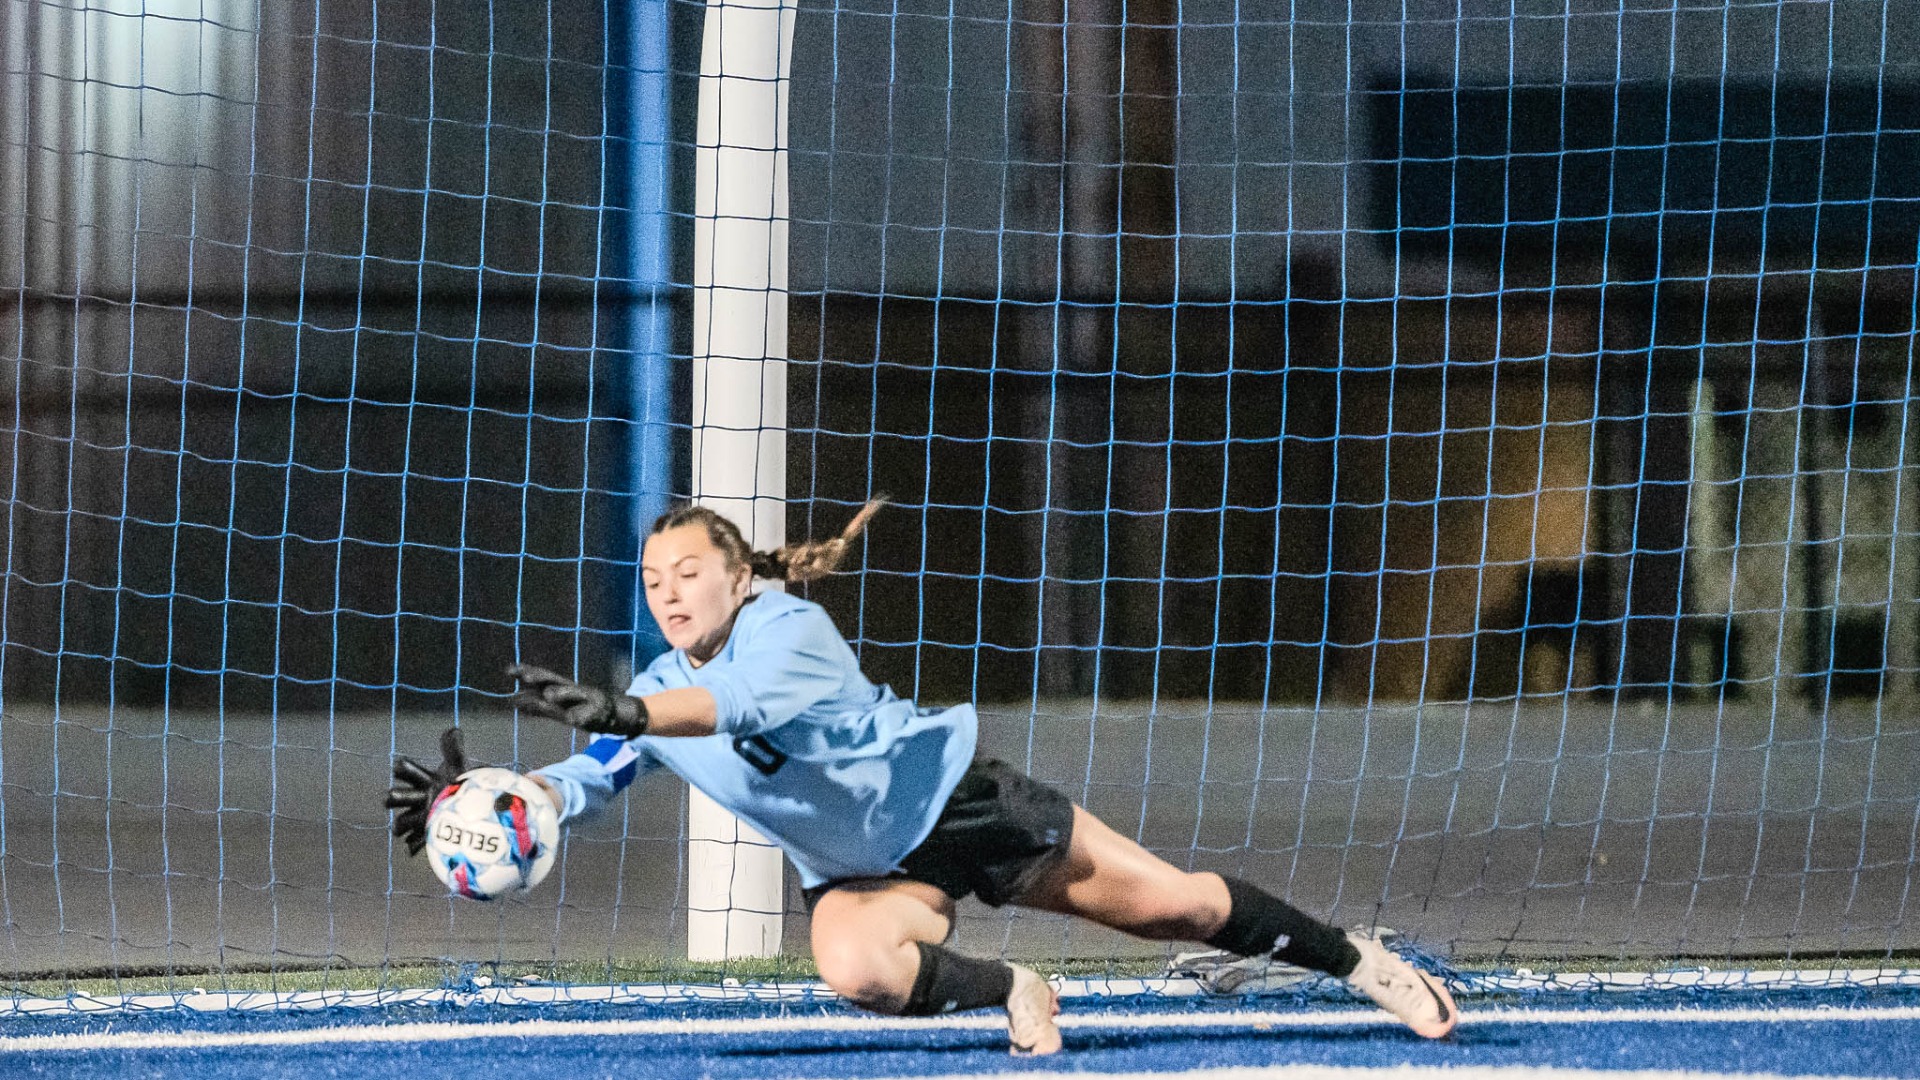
(492, 833)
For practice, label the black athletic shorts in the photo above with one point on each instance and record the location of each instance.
(1001, 831)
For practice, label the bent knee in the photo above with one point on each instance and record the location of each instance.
(871, 975)
(866, 935)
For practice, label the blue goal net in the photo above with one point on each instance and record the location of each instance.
(1451, 465)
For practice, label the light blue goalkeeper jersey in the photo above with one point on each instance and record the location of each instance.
(843, 775)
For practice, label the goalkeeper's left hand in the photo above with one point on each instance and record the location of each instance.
(556, 697)
(417, 787)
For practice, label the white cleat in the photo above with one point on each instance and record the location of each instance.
(1417, 998)
(1031, 1008)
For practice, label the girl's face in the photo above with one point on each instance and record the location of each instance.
(691, 591)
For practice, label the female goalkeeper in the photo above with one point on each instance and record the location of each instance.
(880, 804)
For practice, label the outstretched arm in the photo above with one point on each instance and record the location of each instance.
(553, 794)
(681, 712)
(584, 783)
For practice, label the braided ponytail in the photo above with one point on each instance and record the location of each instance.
(808, 560)
(767, 564)
(812, 560)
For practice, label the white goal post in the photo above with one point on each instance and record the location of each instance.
(735, 895)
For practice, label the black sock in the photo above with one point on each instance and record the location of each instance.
(949, 982)
(1259, 923)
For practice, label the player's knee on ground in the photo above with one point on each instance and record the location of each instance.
(873, 974)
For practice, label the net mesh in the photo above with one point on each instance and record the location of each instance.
(1448, 464)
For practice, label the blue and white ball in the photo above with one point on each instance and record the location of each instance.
(492, 833)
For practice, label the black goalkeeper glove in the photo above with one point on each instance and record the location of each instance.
(556, 697)
(417, 787)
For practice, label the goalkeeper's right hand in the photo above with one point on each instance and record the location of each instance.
(417, 787)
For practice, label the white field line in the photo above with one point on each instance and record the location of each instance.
(790, 1025)
(1733, 979)
(670, 994)
(1393, 1072)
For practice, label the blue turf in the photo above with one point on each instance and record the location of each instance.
(1830, 1048)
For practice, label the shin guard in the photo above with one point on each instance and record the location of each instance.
(1259, 923)
(949, 982)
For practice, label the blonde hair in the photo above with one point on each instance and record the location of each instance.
(809, 560)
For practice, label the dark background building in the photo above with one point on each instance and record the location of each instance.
(1337, 358)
